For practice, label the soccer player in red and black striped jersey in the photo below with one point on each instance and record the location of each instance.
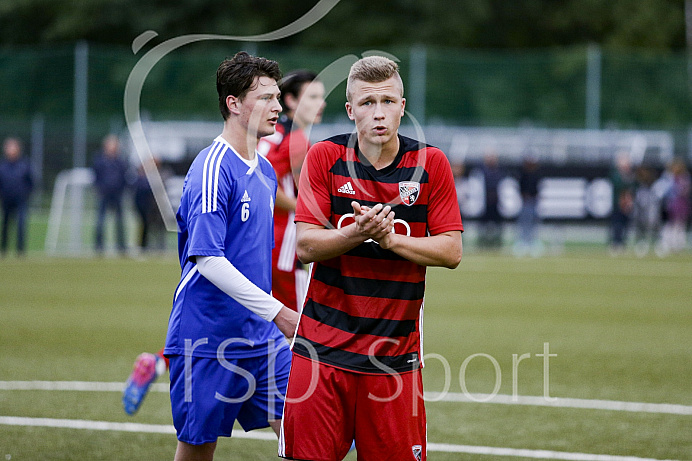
(374, 210)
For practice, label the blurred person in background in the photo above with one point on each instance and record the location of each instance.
(622, 179)
(646, 211)
(152, 228)
(458, 170)
(16, 184)
(491, 221)
(677, 207)
(110, 180)
(527, 222)
(302, 99)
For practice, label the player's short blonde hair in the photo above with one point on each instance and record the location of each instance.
(373, 69)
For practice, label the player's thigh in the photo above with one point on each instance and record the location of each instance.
(271, 378)
(390, 418)
(205, 398)
(318, 413)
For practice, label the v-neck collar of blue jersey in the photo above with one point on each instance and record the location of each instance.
(353, 142)
(252, 164)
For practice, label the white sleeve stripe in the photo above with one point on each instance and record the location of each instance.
(301, 288)
(300, 312)
(204, 184)
(206, 180)
(209, 182)
(216, 177)
(287, 185)
(185, 281)
(287, 253)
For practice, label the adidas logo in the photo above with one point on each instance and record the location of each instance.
(246, 198)
(347, 189)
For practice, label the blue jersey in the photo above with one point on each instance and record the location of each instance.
(226, 210)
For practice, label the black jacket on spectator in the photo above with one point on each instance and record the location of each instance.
(111, 176)
(16, 181)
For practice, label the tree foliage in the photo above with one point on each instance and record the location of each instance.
(656, 24)
(489, 62)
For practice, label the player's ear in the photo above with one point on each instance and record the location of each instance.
(349, 110)
(233, 104)
(403, 106)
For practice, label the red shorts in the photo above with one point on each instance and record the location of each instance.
(327, 408)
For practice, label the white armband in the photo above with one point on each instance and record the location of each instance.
(224, 275)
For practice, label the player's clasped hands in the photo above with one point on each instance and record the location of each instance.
(376, 222)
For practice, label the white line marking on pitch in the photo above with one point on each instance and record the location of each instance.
(72, 386)
(554, 402)
(438, 447)
(561, 402)
(111, 426)
(579, 267)
(68, 386)
(525, 453)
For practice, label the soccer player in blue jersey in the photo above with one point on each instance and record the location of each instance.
(302, 98)
(229, 359)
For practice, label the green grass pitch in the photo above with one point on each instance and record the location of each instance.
(617, 329)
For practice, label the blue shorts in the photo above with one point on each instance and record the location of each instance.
(214, 394)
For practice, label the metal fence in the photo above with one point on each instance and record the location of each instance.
(62, 100)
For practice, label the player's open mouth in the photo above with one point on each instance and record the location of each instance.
(380, 129)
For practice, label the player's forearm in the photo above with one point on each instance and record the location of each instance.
(314, 244)
(438, 250)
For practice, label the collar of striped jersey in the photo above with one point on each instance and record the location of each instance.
(353, 144)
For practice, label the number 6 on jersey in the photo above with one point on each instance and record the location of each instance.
(245, 211)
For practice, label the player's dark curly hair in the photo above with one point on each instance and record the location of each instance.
(293, 82)
(236, 76)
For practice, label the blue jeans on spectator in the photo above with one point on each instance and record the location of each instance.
(527, 221)
(115, 203)
(9, 211)
(618, 228)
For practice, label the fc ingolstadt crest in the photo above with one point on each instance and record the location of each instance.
(417, 452)
(408, 191)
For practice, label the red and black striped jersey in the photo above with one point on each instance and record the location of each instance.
(364, 308)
